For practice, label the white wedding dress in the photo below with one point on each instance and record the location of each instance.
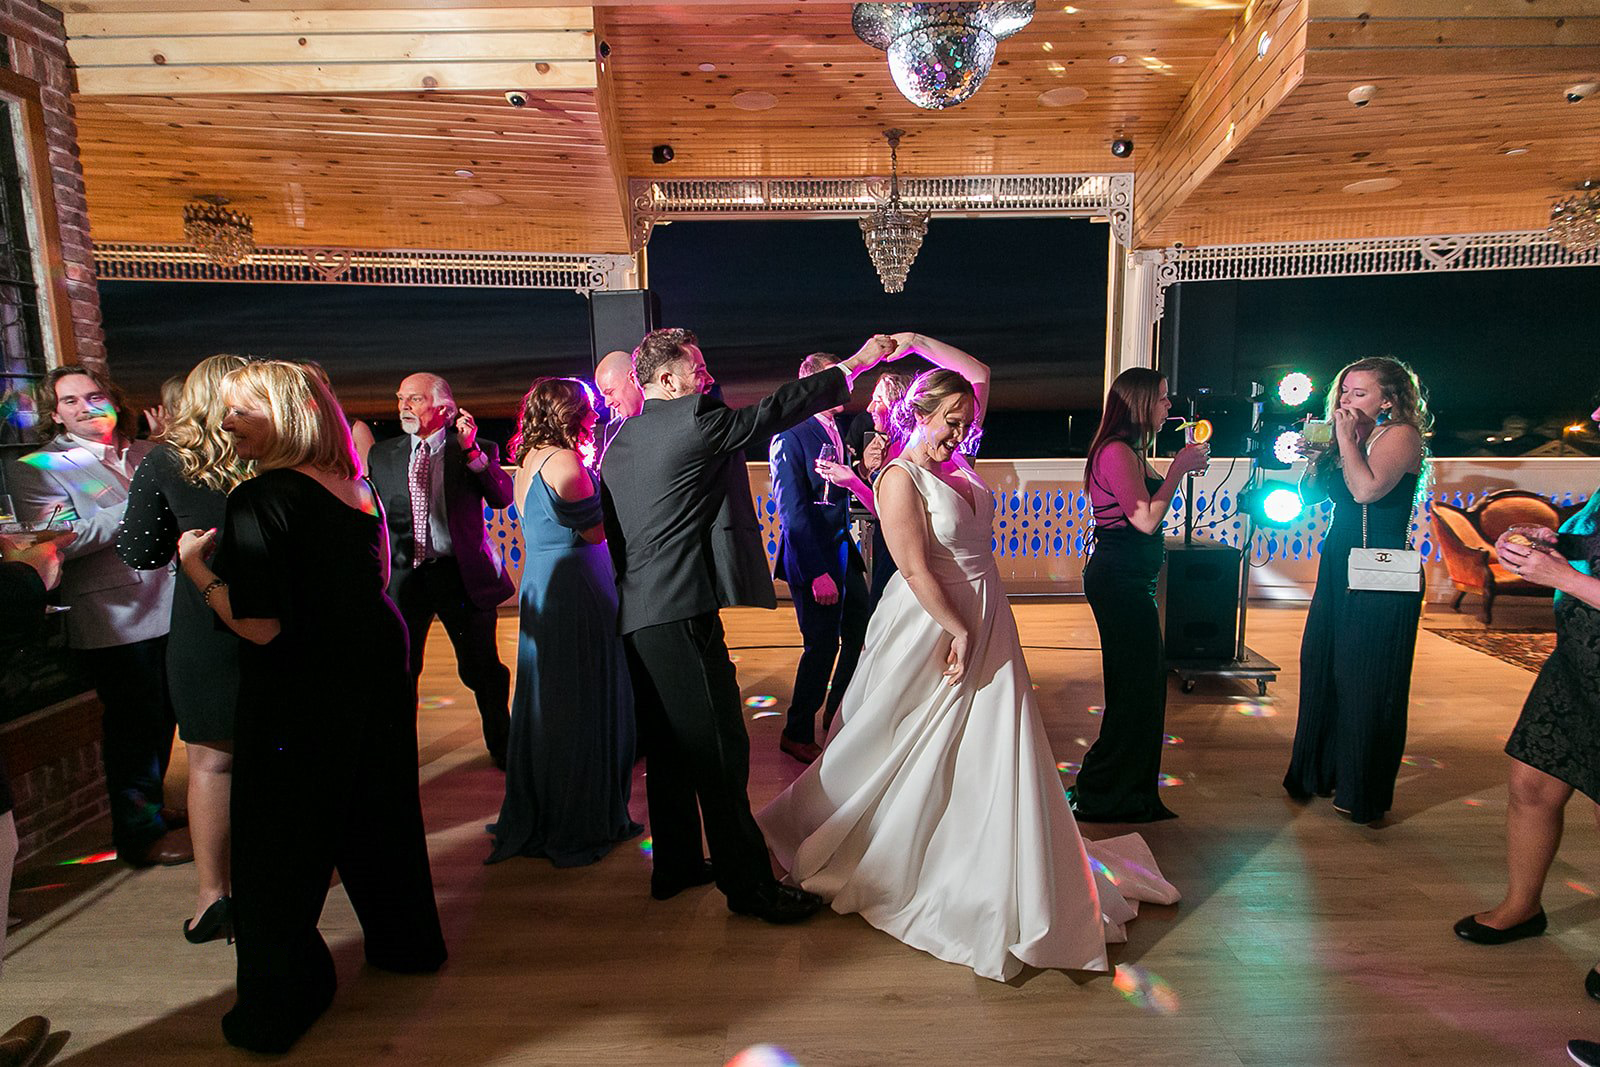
(937, 812)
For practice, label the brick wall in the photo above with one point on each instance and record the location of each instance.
(59, 798)
(38, 44)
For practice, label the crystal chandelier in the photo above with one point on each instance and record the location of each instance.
(939, 53)
(224, 237)
(1575, 221)
(892, 233)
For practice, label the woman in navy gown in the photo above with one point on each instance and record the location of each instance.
(569, 761)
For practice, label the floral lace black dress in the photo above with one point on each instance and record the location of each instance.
(1559, 731)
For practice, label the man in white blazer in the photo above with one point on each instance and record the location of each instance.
(119, 617)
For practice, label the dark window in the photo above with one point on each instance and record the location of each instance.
(22, 355)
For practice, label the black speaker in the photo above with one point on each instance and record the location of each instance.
(1199, 598)
(619, 319)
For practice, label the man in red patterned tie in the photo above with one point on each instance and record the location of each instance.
(435, 483)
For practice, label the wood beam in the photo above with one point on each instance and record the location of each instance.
(611, 124)
(1261, 63)
(1426, 41)
(254, 51)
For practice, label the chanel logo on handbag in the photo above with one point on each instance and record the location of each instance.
(1382, 557)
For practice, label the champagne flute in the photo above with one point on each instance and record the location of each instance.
(827, 454)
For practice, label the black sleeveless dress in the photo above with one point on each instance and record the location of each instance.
(1355, 664)
(1121, 771)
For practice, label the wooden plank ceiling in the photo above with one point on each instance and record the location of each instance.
(1237, 110)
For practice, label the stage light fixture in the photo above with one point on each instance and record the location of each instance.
(1274, 504)
(1286, 447)
(1295, 388)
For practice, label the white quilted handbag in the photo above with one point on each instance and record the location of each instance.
(1389, 570)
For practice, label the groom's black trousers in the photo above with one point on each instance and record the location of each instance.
(691, 726)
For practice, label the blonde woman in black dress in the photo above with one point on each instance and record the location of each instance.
(1356, 652)
(183, 484)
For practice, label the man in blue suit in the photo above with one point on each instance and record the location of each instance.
(827, 579)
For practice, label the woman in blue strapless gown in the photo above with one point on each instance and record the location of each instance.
(569, 760)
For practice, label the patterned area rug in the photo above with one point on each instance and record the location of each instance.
(1527, 649)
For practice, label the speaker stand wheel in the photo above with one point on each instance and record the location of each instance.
(1261, 687)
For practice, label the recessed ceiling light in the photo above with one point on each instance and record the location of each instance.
(1048, 47)
(1519, 151)
(1373, 185)
(754, 100)
(1263, 44)
(1066, 94)
(463, 173)
(1070, 10)
(708, 67)
(1116, 60)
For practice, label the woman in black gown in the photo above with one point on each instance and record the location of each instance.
(1555, 748)
(183, 484)
(1119, 781)
(1356, 653)
(325, 739)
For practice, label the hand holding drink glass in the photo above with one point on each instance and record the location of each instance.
(1195, 456)
(827, 454)
(26, 533)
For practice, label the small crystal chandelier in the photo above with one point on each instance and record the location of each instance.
(893, 234)
(1575, 221)
(939, 53)
(224, 237)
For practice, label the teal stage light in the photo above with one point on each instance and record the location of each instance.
(1272, 504)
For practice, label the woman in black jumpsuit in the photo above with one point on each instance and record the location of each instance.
(325, 765)
(1121, 772)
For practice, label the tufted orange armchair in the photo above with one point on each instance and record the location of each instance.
(1467, 536)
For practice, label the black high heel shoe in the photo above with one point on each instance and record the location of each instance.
(216, 921)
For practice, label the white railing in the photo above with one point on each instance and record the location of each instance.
(1042, 512)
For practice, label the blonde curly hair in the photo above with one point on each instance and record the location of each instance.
(195, 433)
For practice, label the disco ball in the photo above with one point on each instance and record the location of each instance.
(940, 53)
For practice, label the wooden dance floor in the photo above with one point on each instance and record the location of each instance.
(1301, 939)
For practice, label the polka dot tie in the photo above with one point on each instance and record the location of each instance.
(421, 497)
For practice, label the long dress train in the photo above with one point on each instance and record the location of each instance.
(937, 812)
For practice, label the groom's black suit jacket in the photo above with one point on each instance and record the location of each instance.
(664, 479)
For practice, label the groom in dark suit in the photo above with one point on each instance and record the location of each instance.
(827, 579)
(435, 482)
(662, 482)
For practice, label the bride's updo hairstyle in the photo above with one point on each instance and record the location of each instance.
(924, 395)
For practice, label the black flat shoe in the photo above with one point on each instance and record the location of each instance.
(1591, 982)
(216, 921)
(1470, 929)
(665, 885)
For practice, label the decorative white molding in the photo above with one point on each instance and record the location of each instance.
(1366, 256)
(992, 195)
(353, 266)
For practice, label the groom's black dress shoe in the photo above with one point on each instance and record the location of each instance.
(1586, 1053)
(776, 903)
(1470, 929)
(664, 885)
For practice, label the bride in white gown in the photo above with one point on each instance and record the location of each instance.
(936, 811)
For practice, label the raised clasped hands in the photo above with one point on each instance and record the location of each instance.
(1351, 426)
